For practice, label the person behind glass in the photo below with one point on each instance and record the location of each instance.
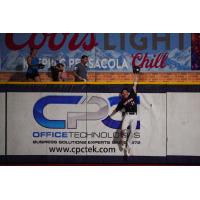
(80, 70)
(33, 66)
(57, 71)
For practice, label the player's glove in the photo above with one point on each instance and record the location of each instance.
(136, 69)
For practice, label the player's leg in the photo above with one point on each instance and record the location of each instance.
(133, 125)
(124, 131)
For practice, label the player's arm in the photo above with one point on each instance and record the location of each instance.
(113, 112)
(135, 82)
(118, 108)
(135, 87)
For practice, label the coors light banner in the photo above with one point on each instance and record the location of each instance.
(159, 52)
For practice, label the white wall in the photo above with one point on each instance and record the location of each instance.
(183, 123)
(183, 127)
(2, 123)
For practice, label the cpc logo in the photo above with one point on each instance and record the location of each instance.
(74, 117)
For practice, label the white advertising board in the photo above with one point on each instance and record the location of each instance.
(183, 124)
(74, 124)
(2, 124)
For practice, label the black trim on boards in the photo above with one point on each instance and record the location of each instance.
(98, 160)
(97, 88)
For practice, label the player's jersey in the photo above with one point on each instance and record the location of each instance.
(129, 104)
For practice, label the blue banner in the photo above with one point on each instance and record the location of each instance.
(114, 52)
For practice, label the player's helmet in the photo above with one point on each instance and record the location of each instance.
(124, 89)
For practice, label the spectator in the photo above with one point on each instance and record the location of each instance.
(33, 66)
(80, 70)
(57, 72)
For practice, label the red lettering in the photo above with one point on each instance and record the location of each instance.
(31, 42)
(157, 60)
(142, 60)
(145, 61)
(137, 56)
(92, 43)
(9, 40)
(74, 46)
(163, 62)
(52, 44)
